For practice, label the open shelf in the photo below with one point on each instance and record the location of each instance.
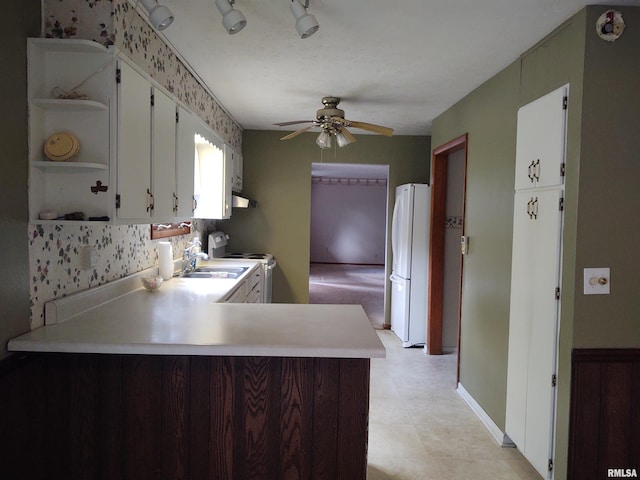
(68, 167)
(69, 105)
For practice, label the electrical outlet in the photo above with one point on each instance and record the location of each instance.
(597, 281)
(89, 258)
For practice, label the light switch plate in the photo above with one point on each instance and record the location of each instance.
(597, 281)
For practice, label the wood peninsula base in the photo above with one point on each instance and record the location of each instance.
(112, 416)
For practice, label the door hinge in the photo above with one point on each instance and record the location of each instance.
(561, 204)
(118, 200)
(118, 75)
(562, 169)
(550, 465)
(557, 293)
(565, 102)
(554, 380)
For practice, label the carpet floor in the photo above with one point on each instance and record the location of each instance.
(349, 284)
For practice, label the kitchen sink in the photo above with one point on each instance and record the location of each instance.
(216, 272)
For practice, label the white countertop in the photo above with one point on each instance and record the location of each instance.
(183, 318)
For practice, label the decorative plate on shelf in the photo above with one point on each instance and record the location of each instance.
(61, 147)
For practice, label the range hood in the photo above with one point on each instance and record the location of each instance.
(240, 201)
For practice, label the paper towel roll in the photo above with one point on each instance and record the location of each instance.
(165, 260)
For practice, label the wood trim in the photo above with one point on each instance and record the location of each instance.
(169, 230)
(436, 241)
(604, 421)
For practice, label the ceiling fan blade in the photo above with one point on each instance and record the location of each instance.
(284, 124)
(296, 133)
(371, 127)
(348, 134)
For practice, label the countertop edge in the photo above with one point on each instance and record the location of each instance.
(17, 345)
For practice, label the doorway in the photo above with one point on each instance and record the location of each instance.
(445, 263)
(348, 236)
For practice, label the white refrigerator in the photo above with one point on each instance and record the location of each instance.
(409, 275)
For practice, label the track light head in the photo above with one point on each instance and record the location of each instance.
(232, 20)
(159, 15)
(306, 24)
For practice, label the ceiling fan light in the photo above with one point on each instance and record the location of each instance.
(324, 140)
(342, 140)
(232, 20)
(306, 24)
(159, 15)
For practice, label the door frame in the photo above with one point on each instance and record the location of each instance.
(439, 161)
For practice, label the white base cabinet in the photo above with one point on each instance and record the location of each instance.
(249, 290)
(535, 278)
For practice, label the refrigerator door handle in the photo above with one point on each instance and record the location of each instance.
(394, 229)
(394, 278)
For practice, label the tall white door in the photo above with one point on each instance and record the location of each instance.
(535, 278)
(533, 323)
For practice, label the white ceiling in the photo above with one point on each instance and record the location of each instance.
(398, 64)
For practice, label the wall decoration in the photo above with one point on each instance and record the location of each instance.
(453, 222)
(114, 22)
(610, 25)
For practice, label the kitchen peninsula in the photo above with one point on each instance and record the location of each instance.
(170, 385)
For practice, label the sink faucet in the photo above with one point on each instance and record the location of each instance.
(190, 258)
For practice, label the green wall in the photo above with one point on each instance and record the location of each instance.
(608, 214)
(22, 20)
(278, 175)
(601, 224)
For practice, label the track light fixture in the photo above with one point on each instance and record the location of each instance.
(233, 20)
(159, 15)
(306, 24)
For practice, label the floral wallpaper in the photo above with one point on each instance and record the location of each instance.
(56, 251)
(115, 22)
(56, 254)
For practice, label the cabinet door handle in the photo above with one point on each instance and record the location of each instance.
(536, 170)
(534, 211)
(530, 171)
(530, 208)
(175, 203)
(149, 200)
(195, 205)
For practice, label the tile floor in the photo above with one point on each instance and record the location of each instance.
(420, 428)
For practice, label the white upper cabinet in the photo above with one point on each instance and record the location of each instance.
(135, 200)
(163, 154)
(138, 149)
(540, 142)
(234, 157)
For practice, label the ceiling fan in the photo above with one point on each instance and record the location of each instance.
(331, 120)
